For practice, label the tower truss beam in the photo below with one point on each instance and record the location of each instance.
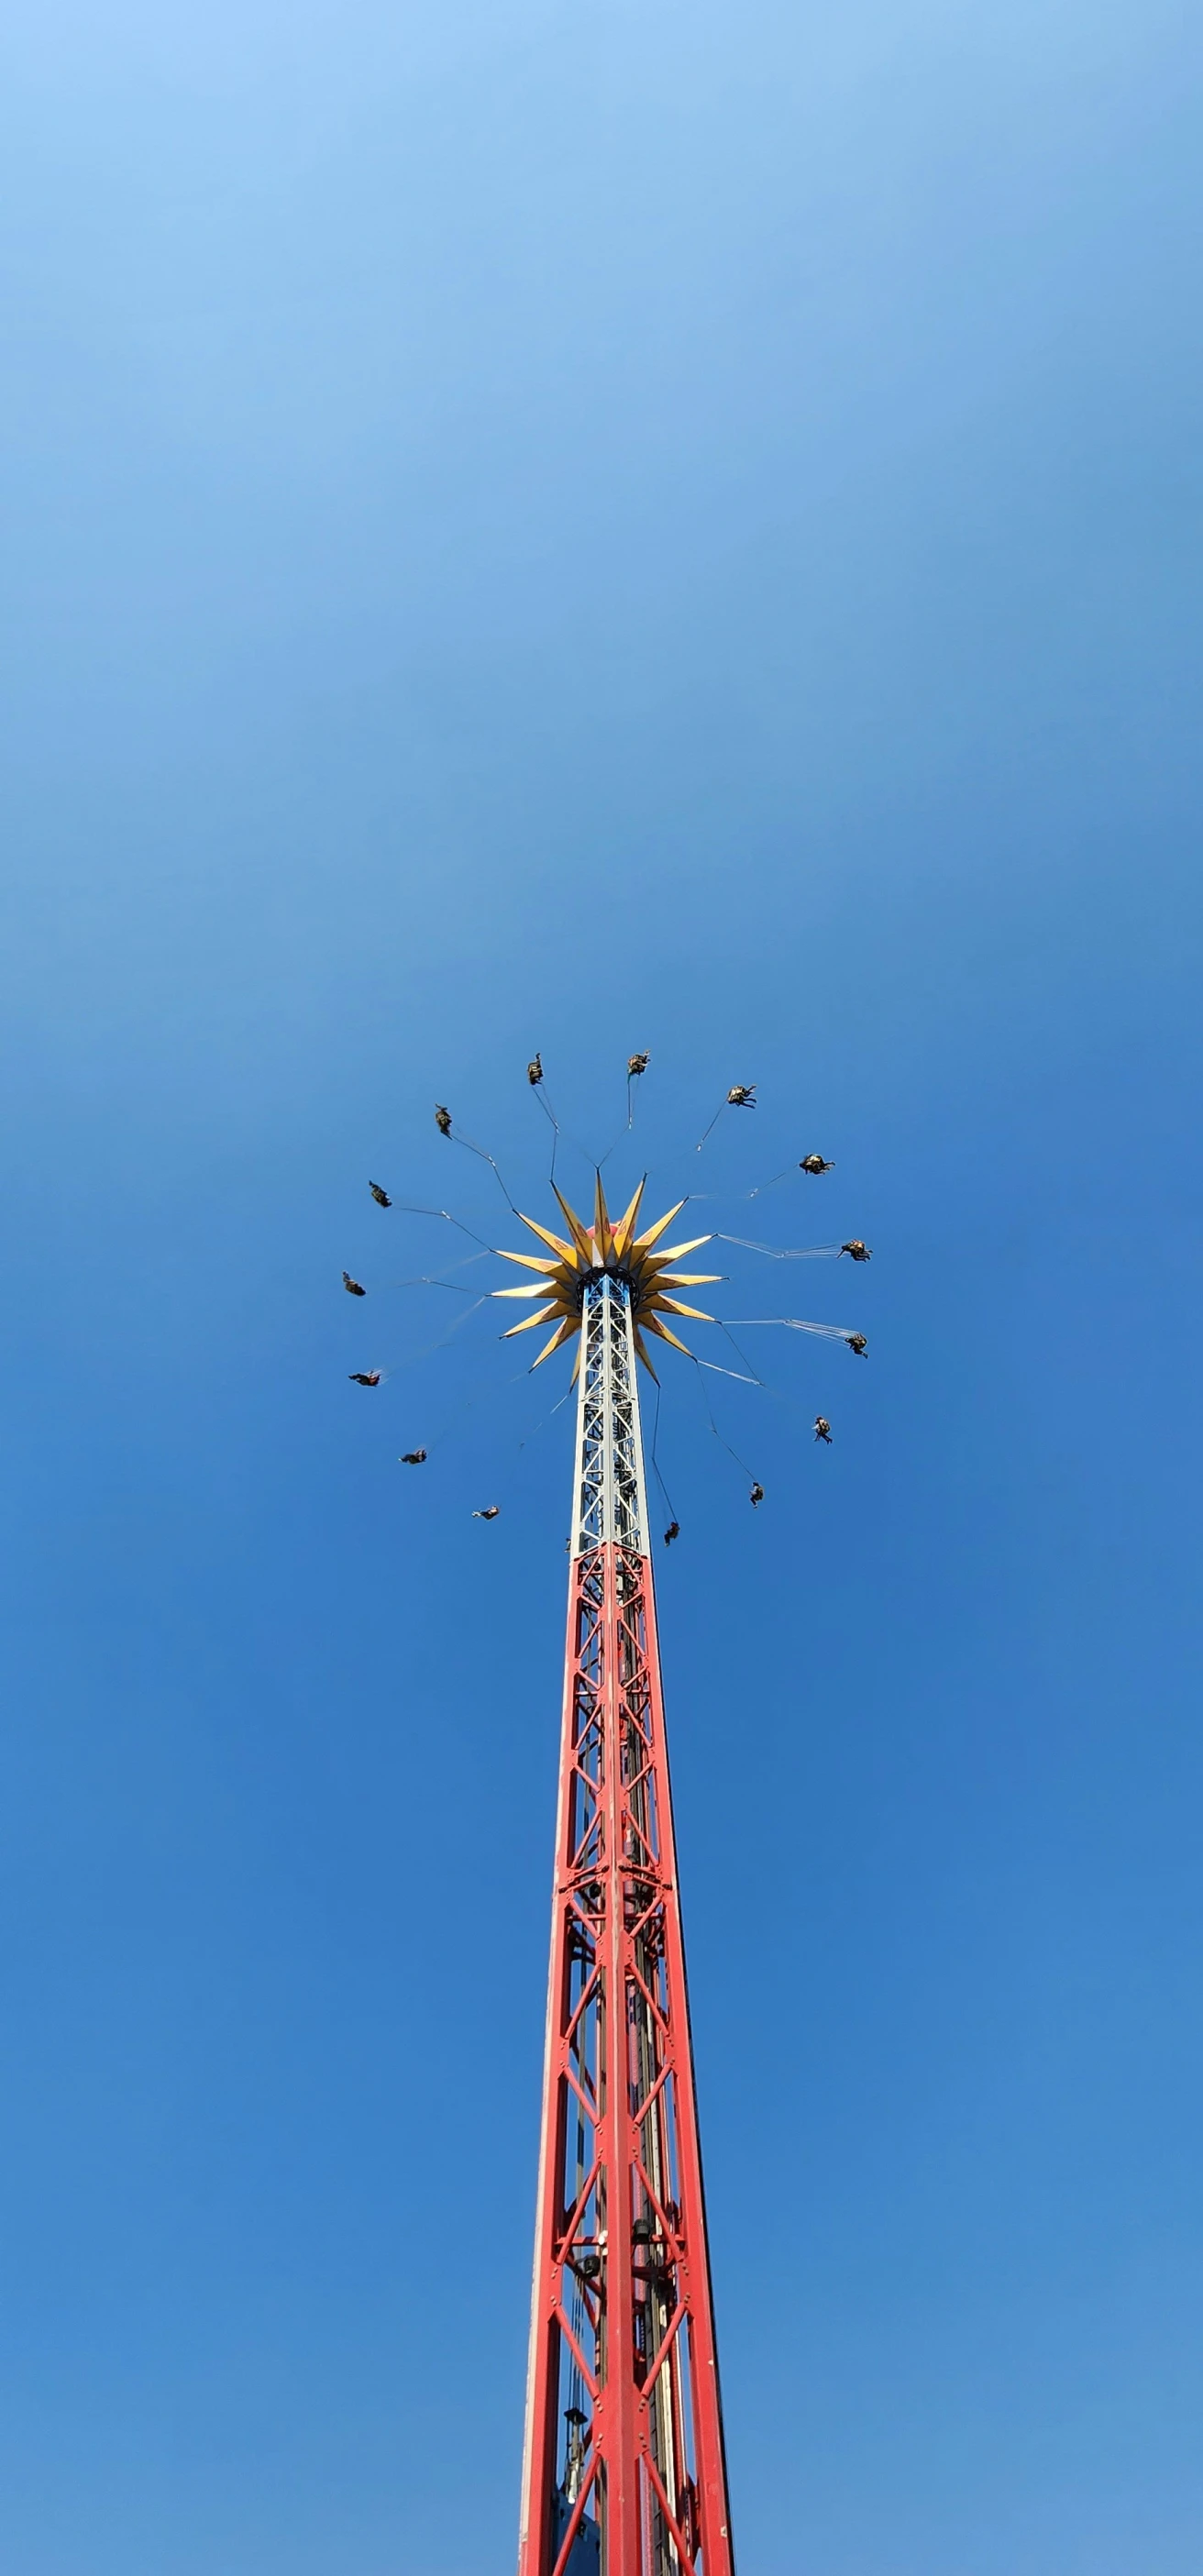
(624, 2471)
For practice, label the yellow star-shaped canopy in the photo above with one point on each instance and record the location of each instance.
(617, 1248)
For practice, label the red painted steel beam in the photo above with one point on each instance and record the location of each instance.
(622, 2331)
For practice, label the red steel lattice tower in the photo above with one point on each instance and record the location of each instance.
(624, 2471)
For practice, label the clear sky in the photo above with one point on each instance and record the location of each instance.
(571, 524)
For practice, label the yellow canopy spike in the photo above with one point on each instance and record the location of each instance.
(640, 1353)
(553, 1240)
(655, 1231)
(556, 1286)
(560, 1334)
(580, 1233)
(656, 1324)
(602, 1236)
(529, 1260)
(677, 1251)
(625, 1228)
(528, 1322)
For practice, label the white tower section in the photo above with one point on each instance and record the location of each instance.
(611, 1498)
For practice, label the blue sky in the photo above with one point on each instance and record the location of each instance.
(594, 527)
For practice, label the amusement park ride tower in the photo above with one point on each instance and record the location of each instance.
(623, 2472)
